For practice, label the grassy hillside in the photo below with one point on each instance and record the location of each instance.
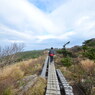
(20, 71)
(15, 78)
(20, 56)
(29, 54)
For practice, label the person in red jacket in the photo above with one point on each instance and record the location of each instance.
(51, 54)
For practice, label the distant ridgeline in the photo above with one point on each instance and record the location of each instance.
(19, 56)
(29, 54)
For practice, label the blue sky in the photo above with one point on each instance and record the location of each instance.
(41, 24)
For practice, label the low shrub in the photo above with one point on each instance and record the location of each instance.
(67, 61)
(90, 53)
(60, 51)
(65, 52)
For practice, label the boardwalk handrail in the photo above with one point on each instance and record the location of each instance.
(43, 73)
(67, 88)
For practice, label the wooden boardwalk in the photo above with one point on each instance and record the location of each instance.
(54, 77)
(67, 88)
(44, 70)
(52, 81)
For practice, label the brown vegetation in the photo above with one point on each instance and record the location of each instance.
(38, 88)
(8, 54)
(10, 74)
(88, 65)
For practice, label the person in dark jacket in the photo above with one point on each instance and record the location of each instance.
(51, 54)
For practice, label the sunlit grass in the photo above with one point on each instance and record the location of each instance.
(38, 88)
(10, 74)
(87, 65)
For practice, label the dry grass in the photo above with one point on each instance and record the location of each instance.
(9, 75)
(38, 88)
(11, 71)
(88, 65)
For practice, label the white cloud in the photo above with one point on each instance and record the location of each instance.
(77, 15)
(64, 36)
(82, 20)
(27, 19)
(24, 22)
(24, 15)
(15, 41)
(12, 32)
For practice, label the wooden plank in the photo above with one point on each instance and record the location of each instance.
(43, 73)
(53, 87)
(52, 82)
(52, 92)
(67, 88)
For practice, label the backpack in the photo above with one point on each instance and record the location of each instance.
(51, 53)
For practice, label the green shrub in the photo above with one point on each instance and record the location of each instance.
(84, 47)
(90, 42)
(90, 53)
(67, 61)
(60, 51)
(65, 52)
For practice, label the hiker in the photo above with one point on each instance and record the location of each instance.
(51, 54)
